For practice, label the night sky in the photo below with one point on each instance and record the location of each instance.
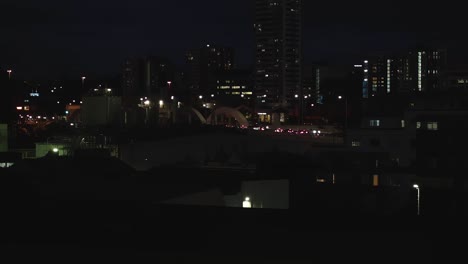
(68, 38)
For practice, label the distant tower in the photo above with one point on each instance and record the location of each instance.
(204, 64)
(278, 53)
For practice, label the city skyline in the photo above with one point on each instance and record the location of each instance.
(54, 39)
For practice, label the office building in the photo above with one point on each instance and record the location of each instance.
(422, 70)
(234, 88)
(204, 63)
(278, 53)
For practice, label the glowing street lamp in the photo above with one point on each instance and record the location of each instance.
(82, 82)
(346, 110)
(9, 74)
(201, 97)
(419, 198)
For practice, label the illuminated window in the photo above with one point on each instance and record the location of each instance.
(356, 143)
(374, 123)
(403, 123)
(418, 125)
(375, 181)
(433, 126)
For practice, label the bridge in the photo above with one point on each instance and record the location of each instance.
(220, 115)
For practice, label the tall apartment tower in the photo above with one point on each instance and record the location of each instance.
(278, 53)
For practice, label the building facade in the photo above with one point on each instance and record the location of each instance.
(146, 77)
(420, 70)
(278, 53)
(204, 63)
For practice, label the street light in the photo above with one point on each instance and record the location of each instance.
(9, 74)
(82, 82)
(419, 198)
(346, 110)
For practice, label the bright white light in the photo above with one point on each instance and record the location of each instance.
(296, 96)
(201, 96)
(416, 186)
(72, 124)
(340, 97)
(161, 103)
(305, 97)
(247, 203)
(366, 61)
(315, 131)
(172, 97)
(109, 90)
(212, 95)
(55, 150)
(147, 103)
(312, 105)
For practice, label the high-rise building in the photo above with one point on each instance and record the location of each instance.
(429, 68)
(418, 71)
(278, 56)
(204, 64)
(146, 76)
(234, 88)
(311, 81)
